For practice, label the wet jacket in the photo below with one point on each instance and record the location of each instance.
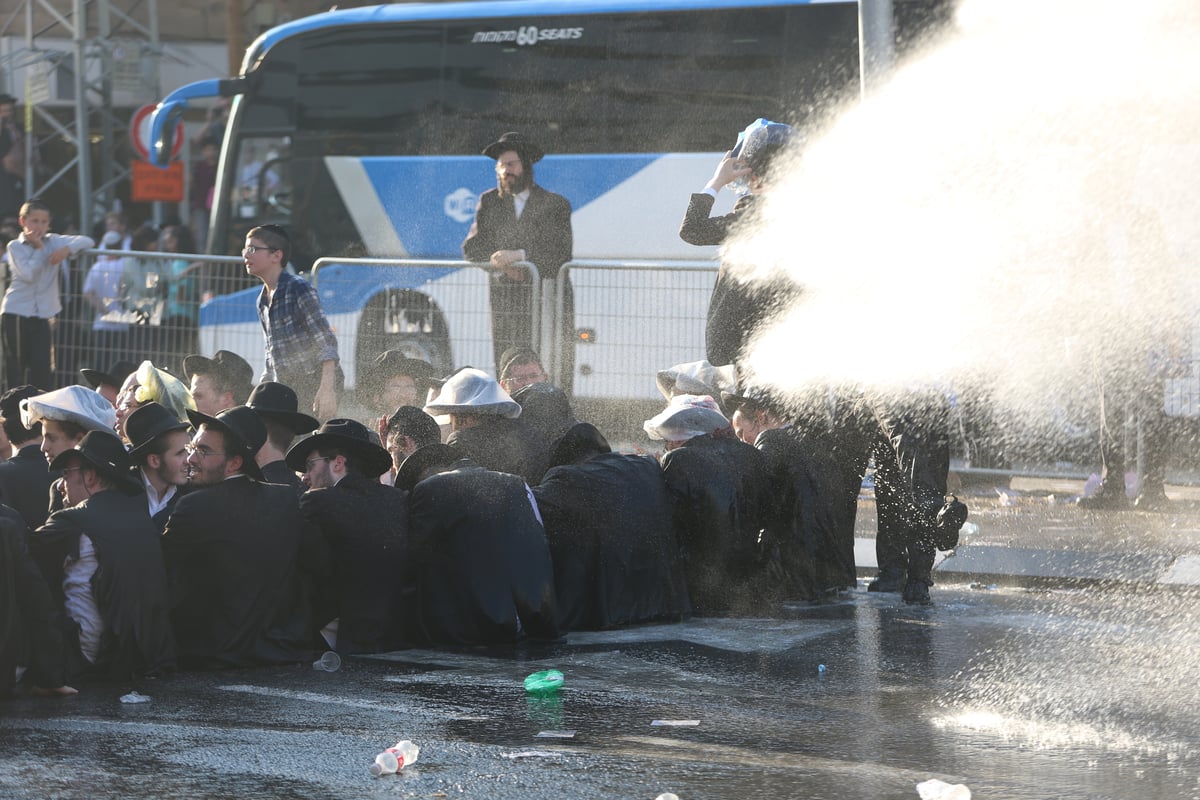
(130, 582)
(365, 529)
(504, 445)
(480, 568)
(721, 493)
(30, 634)
(810, 534)
(610, 527)
(736, 310)
(238, 556)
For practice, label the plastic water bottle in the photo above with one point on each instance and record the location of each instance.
(396, 758)
(667, 796)
(328, 662)
(940, 790)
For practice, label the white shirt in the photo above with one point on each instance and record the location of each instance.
(519, 201)
(153, 503)
(80, 601)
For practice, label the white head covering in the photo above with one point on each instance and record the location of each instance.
(76, 404)
(473, 391)
(686, 417)
(697, 377)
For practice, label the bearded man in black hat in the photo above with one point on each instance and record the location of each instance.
(520, 221)
(103, 562)
(238, 553)
(365, 529)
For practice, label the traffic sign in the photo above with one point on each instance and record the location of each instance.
(151, 184)
(139, 133)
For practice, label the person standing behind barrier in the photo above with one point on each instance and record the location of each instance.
(301, 349)
(737, 309)
(520, 221)
(32, 299)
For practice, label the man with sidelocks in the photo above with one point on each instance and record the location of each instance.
(520, 221)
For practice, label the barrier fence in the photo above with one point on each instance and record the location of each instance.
(603, 327)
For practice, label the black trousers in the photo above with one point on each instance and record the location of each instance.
(512, 325)
(26, 351)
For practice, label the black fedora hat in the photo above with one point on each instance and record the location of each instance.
(582, 441)
(243, 423)
(343, 434)
(395, 362)
(104, 452)
(224, 362)
(278, 402)
(423, 458)
(513, 140)
(113, 376)
(147, 423)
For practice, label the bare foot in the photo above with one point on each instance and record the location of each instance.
(58, 691)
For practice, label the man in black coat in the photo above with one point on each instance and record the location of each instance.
(158, 446)
(520, 221)
(103, 562)
(810, 532)
(278, 407)
(238, 553)
(721, 490)
(738, 308)
(364, 524)
(608, 519)
(479, 569)
(25, 479)
(30, 631)
(485, 426)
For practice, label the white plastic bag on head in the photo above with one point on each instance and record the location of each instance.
(757, 134)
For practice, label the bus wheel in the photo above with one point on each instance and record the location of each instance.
(404, 320)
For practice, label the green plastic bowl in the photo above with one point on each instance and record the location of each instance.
(546, 682)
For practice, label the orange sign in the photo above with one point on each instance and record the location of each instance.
(152, 185)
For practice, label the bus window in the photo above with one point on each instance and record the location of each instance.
(261, 179)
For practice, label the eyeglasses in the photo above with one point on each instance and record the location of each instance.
(308, 465)
(202, 452)
(70, 469)
(251, 249)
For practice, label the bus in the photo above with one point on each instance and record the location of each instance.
(361, 130)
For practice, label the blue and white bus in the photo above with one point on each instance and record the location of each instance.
(361, 130)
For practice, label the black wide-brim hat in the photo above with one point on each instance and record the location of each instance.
(147, 423)
(423, 458)
(513, 140)
(342, 434)
(581, 441)
(245, 426)
(113, 376)
(223, 362)
(278, 402)
(104, 452)
(395, 362)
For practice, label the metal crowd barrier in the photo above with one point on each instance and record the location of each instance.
(432, 309)
(153, 313)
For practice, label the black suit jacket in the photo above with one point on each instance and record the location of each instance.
(130, 584)
(25, 484)
(238, 560)
(543, 231)
(365, 527)
(610, 527)
(480, 565)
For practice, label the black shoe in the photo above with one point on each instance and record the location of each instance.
(887, 581)
(1152, 501)
(1104, 501)
(916, 593)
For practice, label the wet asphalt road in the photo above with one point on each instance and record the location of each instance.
(1083, 693)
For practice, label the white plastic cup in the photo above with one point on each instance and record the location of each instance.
(328, 662)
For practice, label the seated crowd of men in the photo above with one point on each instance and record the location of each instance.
(212, 524)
